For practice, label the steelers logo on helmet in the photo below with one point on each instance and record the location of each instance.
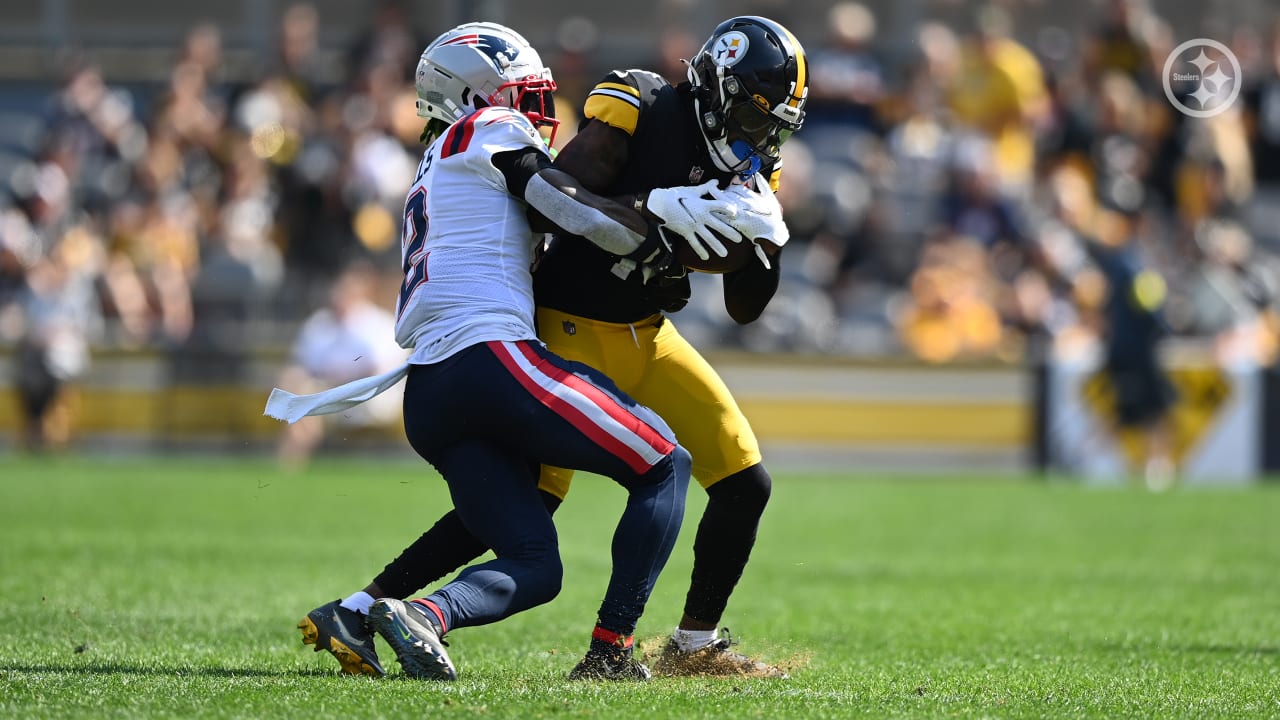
(730, 48)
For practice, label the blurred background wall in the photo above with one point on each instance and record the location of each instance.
(990, 203)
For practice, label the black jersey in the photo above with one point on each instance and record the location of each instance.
(665, 150)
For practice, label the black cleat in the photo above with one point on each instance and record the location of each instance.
(345, 634)
(714, 660)
(606, 662)
(412, 633)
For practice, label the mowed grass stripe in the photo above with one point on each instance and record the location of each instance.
(169, 588)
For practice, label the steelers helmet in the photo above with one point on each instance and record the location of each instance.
(750, 82)
(481, 64)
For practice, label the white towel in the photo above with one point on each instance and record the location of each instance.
(284, 405)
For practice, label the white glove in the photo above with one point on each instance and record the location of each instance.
(685, 212)
(759, 215)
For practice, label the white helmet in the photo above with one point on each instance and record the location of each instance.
(481, 64)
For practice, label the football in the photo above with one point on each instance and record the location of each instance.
(741, 252)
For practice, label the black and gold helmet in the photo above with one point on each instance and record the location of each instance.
(750, 81)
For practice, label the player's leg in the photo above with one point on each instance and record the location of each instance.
(460, 416)
(585, 422)
(493, 491)
(442, 549)
(498, 503)
(547, 409)
(727, 463)
(341, 626)
(611, 348)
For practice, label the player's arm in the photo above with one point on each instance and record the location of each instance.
(748, 291)
(615, 227)
(596, 155)
(570, 207)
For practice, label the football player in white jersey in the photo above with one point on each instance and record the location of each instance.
(484, 402)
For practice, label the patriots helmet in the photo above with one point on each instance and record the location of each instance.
(482, 64)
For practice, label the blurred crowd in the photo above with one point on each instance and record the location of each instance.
(949, 195)
(963, 200)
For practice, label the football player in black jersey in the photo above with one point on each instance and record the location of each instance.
(745, 95)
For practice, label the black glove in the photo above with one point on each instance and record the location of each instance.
(669, 291)
(654, 256)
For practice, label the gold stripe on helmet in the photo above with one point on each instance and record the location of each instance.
(802, 67)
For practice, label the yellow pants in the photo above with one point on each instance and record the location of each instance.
(652, 363)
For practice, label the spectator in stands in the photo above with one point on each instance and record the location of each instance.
(298, 66)
(391, 40)
(1000, 93)
(848, 80)
(1235, 293)
(949, 313)
(351, 337)
(1120, 43)
(676, 43)
(1261, 100)
(60, 315)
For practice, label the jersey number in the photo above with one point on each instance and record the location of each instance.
(415, 255)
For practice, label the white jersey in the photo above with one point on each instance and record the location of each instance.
(467, 247)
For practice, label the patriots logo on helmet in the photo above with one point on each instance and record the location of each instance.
(499, 51)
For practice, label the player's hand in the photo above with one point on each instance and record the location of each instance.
(759, 214)
(653, 258)
(654, 255)
(697, 219)
(669, 291)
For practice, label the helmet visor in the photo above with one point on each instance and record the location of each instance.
(753, 125)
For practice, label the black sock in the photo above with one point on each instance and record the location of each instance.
(726, 534)
(444, 548)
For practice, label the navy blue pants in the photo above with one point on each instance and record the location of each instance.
(486, 418)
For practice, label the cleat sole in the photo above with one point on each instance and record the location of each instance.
(351, 662)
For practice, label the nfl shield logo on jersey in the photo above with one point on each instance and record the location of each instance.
(569, 327)
(695, 174)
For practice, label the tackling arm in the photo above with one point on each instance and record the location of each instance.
(596, 156)
(561, 199)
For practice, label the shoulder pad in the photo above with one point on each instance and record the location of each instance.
(490, 130)
(618, 99)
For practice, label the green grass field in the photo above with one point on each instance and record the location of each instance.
(170, 588)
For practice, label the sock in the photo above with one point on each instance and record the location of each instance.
(359, 602)
(691, 640)
(611, 643)
(434, 613)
